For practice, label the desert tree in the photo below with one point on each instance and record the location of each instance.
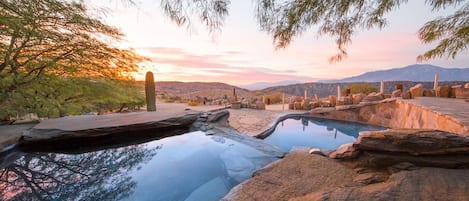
(56, 46)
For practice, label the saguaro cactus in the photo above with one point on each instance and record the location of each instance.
(150, 92)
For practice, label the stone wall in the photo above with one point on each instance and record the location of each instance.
(395, 113)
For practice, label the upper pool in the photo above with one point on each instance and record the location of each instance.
(315, 132)
(187, 167)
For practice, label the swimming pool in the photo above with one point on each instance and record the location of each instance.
(315, 132)
(187, 167)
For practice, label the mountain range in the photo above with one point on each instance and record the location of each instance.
(416, 73)
(263, 85)
(407, 76)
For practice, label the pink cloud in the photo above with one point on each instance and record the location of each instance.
(216, 67)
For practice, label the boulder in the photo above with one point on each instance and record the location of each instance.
(324, 103)
(373, 97)
(236, 105)
(466, 85)
(428, 93)
(332, 100)
(417, 91)
(344, 100)
(357, 98)
(396, 93)
(422, 184)
(370, 178)
(306, 104)
(413, 142)
(260, 106)
(297, 106)
(462, 93)
(452, 93)
(443, 91)
(218, 116)
(345, 151)
(407, 95)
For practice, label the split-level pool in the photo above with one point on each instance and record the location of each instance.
(186, 167)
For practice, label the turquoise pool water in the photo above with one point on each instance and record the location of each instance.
(187, 167)
(315, 132)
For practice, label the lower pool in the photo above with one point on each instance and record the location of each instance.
(315, 132)
(187, 167)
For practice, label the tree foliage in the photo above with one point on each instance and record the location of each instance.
(100, 175)
(355, 88)
(341, 19)
(54, 57)
(211, 13)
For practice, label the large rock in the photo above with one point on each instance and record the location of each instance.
(453, 91)
(417, 91)
(413, 142)
(443, 91)
(357, 98)
(218, 117)
(345, 151)
(344, 100)
(373, 97)
(298, 174)
(260, 106)
(396, 94)
(332, 100)
(297, 106)
(428, 93)
(306, 104)
(462, 93)
(422, 184)
(466, 85)
(407, 95)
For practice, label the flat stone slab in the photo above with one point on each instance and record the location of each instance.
(455, 108)
(167, 115)
(10, 134)
(94, 126)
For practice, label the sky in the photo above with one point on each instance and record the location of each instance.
(242, 54)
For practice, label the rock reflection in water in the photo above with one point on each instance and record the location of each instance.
(315, 132)
(186, 167)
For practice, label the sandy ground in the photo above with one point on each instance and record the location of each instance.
(252, 122)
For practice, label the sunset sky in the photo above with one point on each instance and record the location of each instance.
(241, 54)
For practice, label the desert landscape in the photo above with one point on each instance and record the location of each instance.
(229, 100)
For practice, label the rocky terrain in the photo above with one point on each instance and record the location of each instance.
(192, 90)
(326, 89)
(381, 165)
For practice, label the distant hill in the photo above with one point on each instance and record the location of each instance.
(417, 73)
(263, 85)
(191, 90)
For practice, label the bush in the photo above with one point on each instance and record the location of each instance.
(275, 98)
(360, 88)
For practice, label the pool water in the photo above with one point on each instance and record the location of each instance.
(314, 132)
(187, 167)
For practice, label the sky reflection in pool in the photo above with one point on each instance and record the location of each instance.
(315, 132)
(187, 167)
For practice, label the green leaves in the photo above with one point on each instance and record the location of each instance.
(451, 33)
(340, 19)
(56, 60)
(211, 13)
